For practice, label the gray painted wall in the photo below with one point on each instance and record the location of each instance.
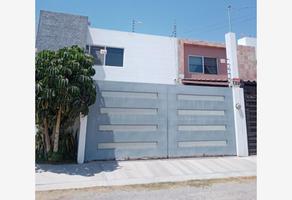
(137, 120)
(57, 30)
(134, 120)
(200, 121)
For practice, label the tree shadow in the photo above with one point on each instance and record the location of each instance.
(96, 159)
(86, 169)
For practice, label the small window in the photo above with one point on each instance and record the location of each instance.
(87, 49)
(106, 55)
(200, 64)
(97, 55)
(195, 64)
(114, 57)
(210, 65)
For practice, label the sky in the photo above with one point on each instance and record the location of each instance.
(195, 19)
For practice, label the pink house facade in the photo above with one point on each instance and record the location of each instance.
(204, 63)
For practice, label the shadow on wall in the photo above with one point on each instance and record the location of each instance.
(94, 136)
(103, 136)
(99, 70)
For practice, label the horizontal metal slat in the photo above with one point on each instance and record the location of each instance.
(204, 120)
(130, 120)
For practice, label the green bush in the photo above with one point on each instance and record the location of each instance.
(67, 149)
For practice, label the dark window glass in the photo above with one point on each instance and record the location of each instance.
(210, 65)
(195, 64)
(114, 57)
(98, 56)
(87, 49)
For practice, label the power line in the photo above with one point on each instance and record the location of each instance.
(214, 24)
(221, 27)
(217, 26)
(221, 21)
(243, 8)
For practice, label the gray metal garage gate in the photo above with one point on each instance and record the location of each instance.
(138, 120)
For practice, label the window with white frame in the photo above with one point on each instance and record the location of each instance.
(108, 56)
(204, 65)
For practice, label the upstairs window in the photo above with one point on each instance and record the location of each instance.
(210, 65)
(196, 64)
(97, 54)
(114, 57)
(108, 56)
(204, 65)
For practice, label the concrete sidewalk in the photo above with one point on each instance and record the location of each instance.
(110, 173)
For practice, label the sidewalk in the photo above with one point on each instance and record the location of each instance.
(110, 173)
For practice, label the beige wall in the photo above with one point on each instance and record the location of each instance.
(247, 63)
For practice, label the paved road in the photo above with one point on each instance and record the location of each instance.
(220, 189)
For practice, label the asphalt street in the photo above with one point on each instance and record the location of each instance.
(220, 189)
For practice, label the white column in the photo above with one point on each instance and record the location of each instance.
(82, 139)
(238, 98)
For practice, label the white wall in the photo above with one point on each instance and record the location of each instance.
(147, 58)
(247, 41)
(237, 95)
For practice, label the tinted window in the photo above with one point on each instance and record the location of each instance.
(210, 65)
(98, 57)
(87, 49)
(114, 57)
(195, 64)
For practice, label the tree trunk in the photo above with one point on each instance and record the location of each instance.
(47, 137)
(57, 133)
(53, 135)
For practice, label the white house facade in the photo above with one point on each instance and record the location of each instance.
(133, 57)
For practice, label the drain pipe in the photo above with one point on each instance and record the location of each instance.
(237, 94)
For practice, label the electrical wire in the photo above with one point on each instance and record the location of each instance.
(221, 21)
(218, 27)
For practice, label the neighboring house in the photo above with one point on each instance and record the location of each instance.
(204, 63)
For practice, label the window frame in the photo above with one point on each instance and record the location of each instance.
(115, 48)
(89, 45)
(104, 55)
(217, 65)
(189, 64)
(203, 64)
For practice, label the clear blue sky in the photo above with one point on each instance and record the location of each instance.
(195, 19)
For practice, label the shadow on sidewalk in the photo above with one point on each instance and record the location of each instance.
(86, 169)
(95, 118)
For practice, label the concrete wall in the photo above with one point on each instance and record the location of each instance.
(57, 30)
(147, 58)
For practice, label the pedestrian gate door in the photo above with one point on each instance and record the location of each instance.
(138, 120)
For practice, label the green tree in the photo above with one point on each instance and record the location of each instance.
(64, 89)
